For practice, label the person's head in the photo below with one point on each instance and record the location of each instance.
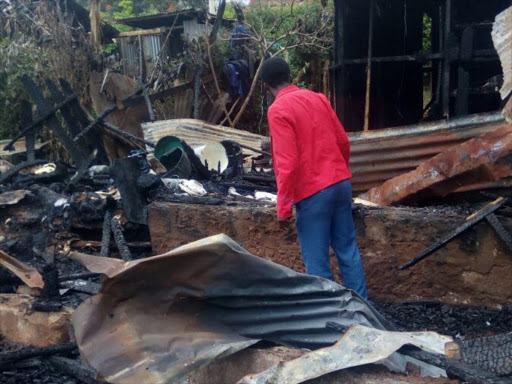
(275, 74)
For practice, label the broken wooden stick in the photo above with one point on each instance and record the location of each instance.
(41, 119)
(79, 276)
(126, 255)
(74, 368)
(105, 237)
(20, 167)
(502, 233)
(472, 220)
(458, 369)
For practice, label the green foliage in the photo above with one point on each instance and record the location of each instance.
(306, 18)
(427, 34)
(17, 58)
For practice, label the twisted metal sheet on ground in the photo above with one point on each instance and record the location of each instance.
(485, 158)
(359, 346)
(156, 320)
(26, 273)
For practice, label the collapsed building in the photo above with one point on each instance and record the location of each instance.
(121, 241)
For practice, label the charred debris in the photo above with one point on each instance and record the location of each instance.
(79, 274)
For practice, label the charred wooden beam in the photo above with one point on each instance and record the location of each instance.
(447, 62)
(79, 276)
(127, 135)
(502, 233)
(44, 107)
(492, 354)
(126, 255)
(95, 123)
(470, 221)
(458, 369)
(30, 138)
(74, 368)
(83, 169)
(148, 101)
(11, 357)
(105, 237)
(40, 120)
(125, 173)
(82, 121)
(14, 171)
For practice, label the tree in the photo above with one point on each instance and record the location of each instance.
(297, 29)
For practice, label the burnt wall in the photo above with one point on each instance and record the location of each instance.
(474, 269)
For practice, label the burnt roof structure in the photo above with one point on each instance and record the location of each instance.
(403, 62)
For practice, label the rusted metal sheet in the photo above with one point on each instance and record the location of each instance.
(359, 346)
(502, 39)
(485, 158)
(27, 274)
(158, 319)
(379, 155)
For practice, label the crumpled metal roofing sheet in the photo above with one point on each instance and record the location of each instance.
(156, 320)
(379, 155)
(482, 159)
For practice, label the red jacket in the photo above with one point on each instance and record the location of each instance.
(310, 147)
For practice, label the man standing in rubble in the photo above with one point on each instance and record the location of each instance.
(311, 151)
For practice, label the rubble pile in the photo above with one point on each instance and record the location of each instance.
(80, 278)
(109, 271)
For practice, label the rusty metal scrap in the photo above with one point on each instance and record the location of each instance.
(485, 158)
(156, 320)
(27, 274)
(379, 155)
(359, 346)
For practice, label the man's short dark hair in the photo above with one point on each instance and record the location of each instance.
(275, 72)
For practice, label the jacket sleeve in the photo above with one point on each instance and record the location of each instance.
(285, 156)
(342, 137)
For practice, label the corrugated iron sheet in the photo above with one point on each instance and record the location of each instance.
(377, 156)
(481, 159)
(197, 133)
(158, 319)
(502, 39)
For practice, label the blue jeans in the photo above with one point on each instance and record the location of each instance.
(324, 220)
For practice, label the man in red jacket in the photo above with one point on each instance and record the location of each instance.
(311, 152)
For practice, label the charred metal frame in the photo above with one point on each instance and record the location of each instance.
(461, 54)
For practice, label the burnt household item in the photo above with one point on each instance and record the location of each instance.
(171, 153)
(50, 300)
(146, 179)
(126, 173)
(141, 157)
(213, 156)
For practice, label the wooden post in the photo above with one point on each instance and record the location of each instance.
(446, 63)
(95, 21)
(369, 68)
